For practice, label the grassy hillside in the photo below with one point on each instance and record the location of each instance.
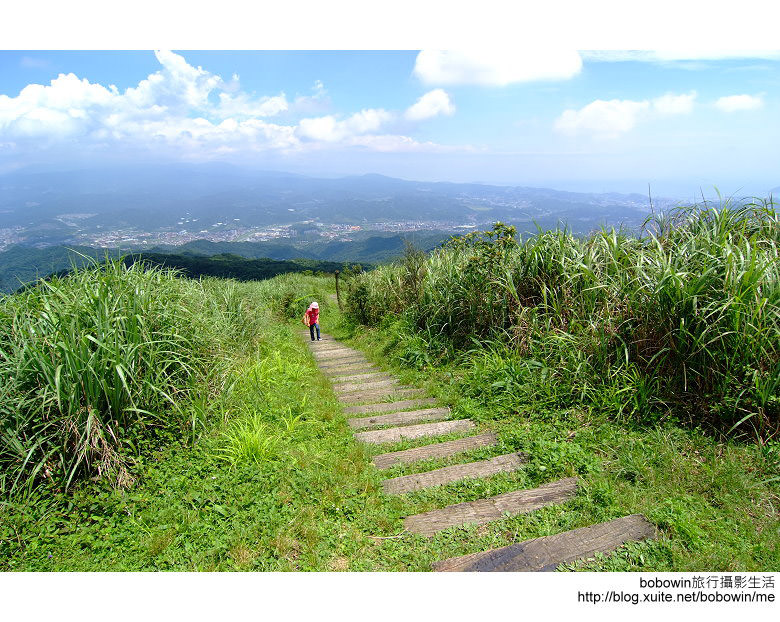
(680, 324)
(149, 422)
(20, 266)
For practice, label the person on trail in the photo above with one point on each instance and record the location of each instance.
(312, 319)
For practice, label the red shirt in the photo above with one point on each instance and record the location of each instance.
(314, 316)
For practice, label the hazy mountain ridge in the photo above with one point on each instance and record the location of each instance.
(206, 200)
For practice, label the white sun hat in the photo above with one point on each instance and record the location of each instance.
(314, 305)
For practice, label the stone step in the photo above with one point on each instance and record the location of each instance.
(547, 553)
(337, 371)
(367, 377)
(494, 508)
(379, 395)
(446, 475)
(353, 387)
(393, 435)
(437, 450)
(404, 418)
(389, 407)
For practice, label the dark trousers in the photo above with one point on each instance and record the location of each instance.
(311, 330)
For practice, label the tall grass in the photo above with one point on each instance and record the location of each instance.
(97, 364)
(683, 320)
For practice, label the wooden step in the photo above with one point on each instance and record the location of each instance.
(393, 435)
(316, 346)
(341, 363)
(389, 407)
(446, 475)
(404, 418)
(367, 377)
(379, 395)
(492, 509)
(338, 371)
(337, 355)
(547, 553)
(436, 450)
(353, 387)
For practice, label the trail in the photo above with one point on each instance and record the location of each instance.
(383, 411)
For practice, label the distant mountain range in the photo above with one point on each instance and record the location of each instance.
(73, 207)
(20, 265)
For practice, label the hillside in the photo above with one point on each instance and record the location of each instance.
(22, 265)
(161, 423)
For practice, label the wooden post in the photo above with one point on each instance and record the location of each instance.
(338, 295)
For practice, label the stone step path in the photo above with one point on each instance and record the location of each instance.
(376, 398)
(402, 418)
(545, 554)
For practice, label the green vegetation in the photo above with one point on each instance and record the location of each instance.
(682, 323)
(227, 449)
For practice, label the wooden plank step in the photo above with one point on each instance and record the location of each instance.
(393, 435)
(367, 376)
(352, 387)
(389, 407)
(352, 360)
(379, 395)
(494, 508)
(437, 450)
(404, 418)
(338, 371)
(547, 553)
(446, 475)
(316, 346)
(337, 355)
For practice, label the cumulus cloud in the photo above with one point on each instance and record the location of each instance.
(330, 129)
(674, 104)
(182, 107)
(611, 118)
(734, 103)
(603, 118)
(495, 67)
(432, 104)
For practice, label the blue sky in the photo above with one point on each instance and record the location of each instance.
(557, 118)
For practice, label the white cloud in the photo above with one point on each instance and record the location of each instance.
(432, 104)
(330, 129)
(670, 55)
(607, 119)
(733, 103)
(243, 105)
(184, 108)
(495, 67)
(670, 103)
(610, 119)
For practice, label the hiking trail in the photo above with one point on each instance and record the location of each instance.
(383, 411)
